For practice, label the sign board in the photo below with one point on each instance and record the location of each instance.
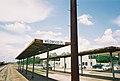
(53, 42)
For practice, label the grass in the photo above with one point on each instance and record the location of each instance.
(37, 71)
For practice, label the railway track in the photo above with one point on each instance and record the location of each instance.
(3, 73)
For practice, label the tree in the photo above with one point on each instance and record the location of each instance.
(93, 56)
(64, 54)
(102, 59)
(37, 60)
(54, 55)
(105, 58)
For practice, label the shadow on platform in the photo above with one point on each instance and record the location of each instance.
(101, 77)
(96, 76)
(37, 77)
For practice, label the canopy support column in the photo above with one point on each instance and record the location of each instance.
(22, 65)
(47, 63)
(26, 65)
(74, 41)
(64, 64)
(112, 65)
(33, 66)
(54, 64)
(18, 64)
(119, 57)
(81, 65)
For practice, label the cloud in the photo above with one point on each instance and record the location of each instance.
(11, 45)
(117, 21)
(108, 37)
(116, 35)
(13, 39)
(28, 11)
(83, 44)
(85, 19)
(50, 35)
(17, 27)
(58, 28)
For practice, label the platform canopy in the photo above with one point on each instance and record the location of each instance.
(101, 50)
(93, 51)
(39, 46)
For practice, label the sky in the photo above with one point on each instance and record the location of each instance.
(21, 21)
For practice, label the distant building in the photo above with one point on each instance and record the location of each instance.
(86, 61)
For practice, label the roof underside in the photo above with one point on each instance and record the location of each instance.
(94, 51)
(100, 50)
(38, 47)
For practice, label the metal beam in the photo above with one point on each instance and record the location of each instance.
(33, 66)
(112, 65)
(74, 41)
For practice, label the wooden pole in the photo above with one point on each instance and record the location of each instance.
(74, 41)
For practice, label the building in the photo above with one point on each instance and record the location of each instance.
(86, 62)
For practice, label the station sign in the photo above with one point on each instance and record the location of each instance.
(53, 42)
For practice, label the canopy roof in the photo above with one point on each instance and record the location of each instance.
(94, 51)
(100, 50)
(39, 46)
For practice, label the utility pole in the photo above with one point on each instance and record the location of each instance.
(74, 41)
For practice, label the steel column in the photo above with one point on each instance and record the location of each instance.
(112, 65)
(64, 64)
(22, 65)
(54, 64)
(74, 41)
(81, 65)
(26, 64)
(18, 64)
(119, 57)
(47, 68)
(33, 67)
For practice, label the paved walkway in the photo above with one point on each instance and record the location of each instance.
(9, 73)
(14, 75)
